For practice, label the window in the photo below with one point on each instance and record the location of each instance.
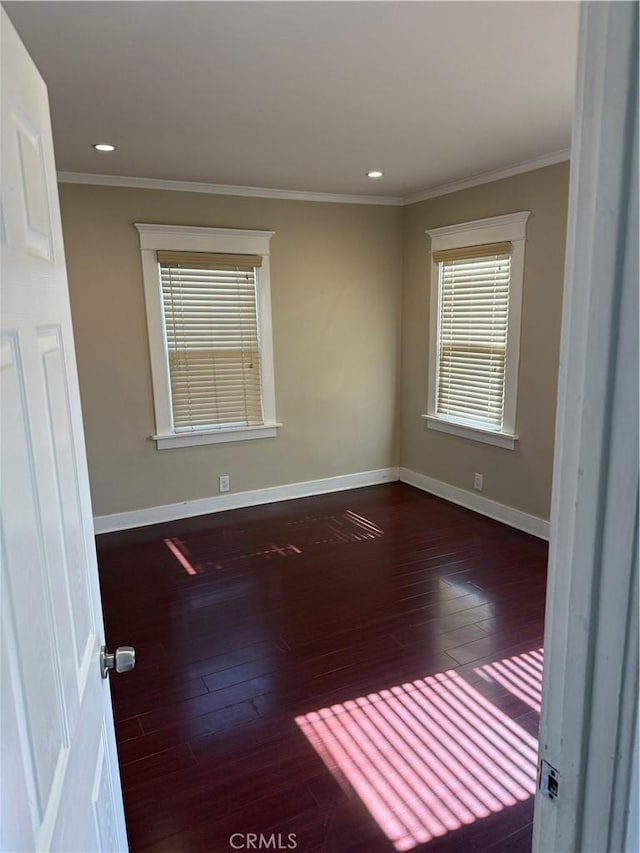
(209, 319)
(476, 294)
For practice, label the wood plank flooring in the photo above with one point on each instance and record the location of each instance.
(360, 669)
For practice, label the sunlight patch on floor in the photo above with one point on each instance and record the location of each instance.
(425, 757)
(521, 675)
(178, 550)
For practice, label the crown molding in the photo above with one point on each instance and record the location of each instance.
(487, 177)
(298, 195)
(222, 189)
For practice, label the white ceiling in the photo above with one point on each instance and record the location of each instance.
(305, 95)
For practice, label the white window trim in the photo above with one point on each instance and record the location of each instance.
(182, 238)
(511, 227)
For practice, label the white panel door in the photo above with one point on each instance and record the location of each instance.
(60, 784)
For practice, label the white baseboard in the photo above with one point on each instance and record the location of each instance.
(218, 503)
(499, 512)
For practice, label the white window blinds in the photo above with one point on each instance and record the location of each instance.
(472, 333)
(213, 345)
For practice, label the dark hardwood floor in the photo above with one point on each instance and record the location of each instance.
(361, 669)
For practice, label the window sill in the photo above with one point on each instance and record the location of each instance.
(214, 436)
(499, 439)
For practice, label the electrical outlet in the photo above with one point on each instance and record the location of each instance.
(477, 482)
(223, 484)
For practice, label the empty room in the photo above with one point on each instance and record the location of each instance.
(319, 426)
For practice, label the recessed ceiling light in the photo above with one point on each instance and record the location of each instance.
(375, 173)
(103, 146)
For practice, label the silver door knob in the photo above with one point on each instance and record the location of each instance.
(122, 660)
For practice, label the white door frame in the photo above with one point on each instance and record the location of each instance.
(590, 692)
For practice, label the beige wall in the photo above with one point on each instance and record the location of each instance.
(520, 478)
(336, 292)
(350, 383)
